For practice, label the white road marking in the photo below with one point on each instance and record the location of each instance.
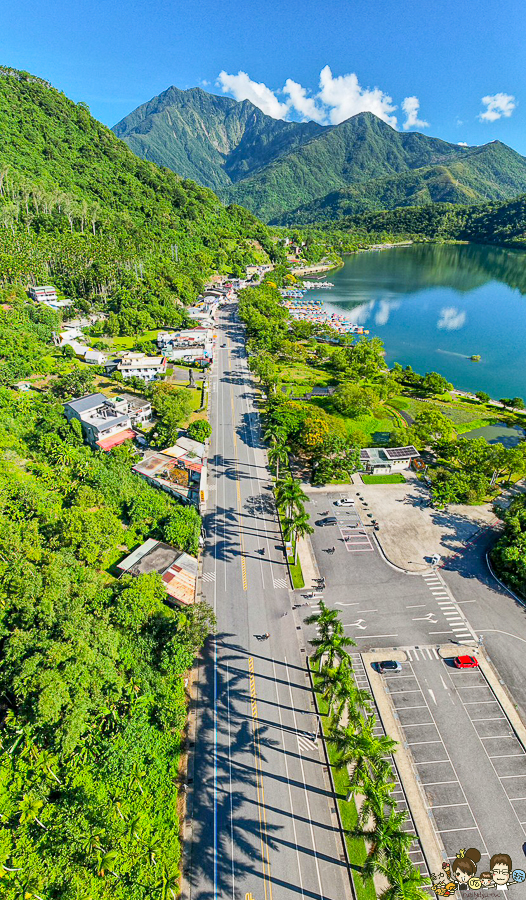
(361, 637)
(444, 683)
(432, 695)
(417, 606)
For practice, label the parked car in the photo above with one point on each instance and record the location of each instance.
(465, 662)
(329, 520)
(345, 501)
(389, 665)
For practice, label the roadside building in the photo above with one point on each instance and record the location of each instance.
(138, 365)
(42, 293)
(384, 460)
(22, 386)
(178, 570)
(190, 344)
(180, 470)
(94, 357)
(108, 422)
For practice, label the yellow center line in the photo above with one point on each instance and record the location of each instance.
(263, 831)
(238, 488)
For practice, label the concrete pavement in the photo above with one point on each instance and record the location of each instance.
(262, 820)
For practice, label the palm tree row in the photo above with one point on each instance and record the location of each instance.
(365, 756)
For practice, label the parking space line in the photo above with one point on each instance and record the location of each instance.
(417, 724)
(510, 776)
(431, 762)
(414, 743)
(491, 719)
(506, 756)
(446, 805)
(429, 783)
(474, 702)
(405, 691)
(467, 828)
(417, 707)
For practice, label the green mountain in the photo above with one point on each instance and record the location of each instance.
(292, 173)
(214, 140)
(78, 208)
(488, 223)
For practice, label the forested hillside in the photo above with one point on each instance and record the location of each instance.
(92, 666)
(489, 223)
(77, 207)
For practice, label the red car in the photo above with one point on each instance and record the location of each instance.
(465, 662)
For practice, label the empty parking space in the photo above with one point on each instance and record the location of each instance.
(468, 759)
(415, 852)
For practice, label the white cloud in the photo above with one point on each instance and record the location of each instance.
(338, 99)
(345, 97)
(497, 106)
(305, 106)
(410, 106)
(462, 144)
(451, 318)
(243, 88)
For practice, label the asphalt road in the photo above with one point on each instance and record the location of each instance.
(261, 814)
(471, 765)
(379, 605)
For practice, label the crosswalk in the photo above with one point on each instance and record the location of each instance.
(306, 744)
(455, 620)
(280, 582)
(414, 654)
(355, 537)
(209, 576)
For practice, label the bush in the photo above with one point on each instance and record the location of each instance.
(182, 529)
(199, 430)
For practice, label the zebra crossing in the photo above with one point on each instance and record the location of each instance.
(455, 620)
(362, 681)
(280, 582)
(307, 744)
(414, 654)
(208, 576)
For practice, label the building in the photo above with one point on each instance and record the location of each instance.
(138, 365)
(57, 305)
(43, 292)
(108, 422)
(22, 386)
(94, 357)
(178, 570)
(180, 470)
(190, 344)
(384, 460)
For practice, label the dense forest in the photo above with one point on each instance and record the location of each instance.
(488, 223)
(92, 666)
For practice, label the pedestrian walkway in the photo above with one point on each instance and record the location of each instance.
(455, 620)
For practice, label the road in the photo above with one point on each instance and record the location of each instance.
(261, 806)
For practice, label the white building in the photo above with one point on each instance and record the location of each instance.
(137, 365)
(43, 292)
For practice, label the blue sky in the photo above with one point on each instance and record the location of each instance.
(448, 54)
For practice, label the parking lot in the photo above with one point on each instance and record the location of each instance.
(379, 605)
(471, 765)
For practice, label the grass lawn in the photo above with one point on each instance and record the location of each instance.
(296, 573)
(129, 341)
(349, 814)
(394, 478)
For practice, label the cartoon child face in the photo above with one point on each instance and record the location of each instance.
(485, 879)
(500, 872)
(462, 877)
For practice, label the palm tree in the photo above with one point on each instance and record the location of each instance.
(301, 529)
(325, 620)
(387, 840)
(278, 454)
(289, 495)
(406, 882)
(361, 749)
(377, 795)
(333, 647)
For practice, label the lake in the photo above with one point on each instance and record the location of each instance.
(434, 305)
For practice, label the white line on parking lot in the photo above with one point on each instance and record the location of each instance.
(446, 805)
(468, 828)
(430, 783)
(472, 702)
(431, 762)
(506, 755)
(368, 637)
(418, 606)
(413, 743)
(491, 719)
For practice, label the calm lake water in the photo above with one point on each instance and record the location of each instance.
(435, 305)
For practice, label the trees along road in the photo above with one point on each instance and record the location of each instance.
(261, 817)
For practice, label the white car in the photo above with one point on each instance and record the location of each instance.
(345, 502)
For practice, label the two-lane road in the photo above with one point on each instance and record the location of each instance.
(261, 813)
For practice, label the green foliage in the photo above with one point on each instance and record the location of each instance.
(200, 430)
(394, 478)
(173, 406)
(509, 553)
(182, 529)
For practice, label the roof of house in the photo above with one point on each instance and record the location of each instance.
(142, 361)
(177, 569)
(378, 456)
(82, 404)
(115, 440)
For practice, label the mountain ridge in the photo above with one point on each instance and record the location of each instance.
(274, 167)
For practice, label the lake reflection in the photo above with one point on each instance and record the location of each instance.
(436, 305)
